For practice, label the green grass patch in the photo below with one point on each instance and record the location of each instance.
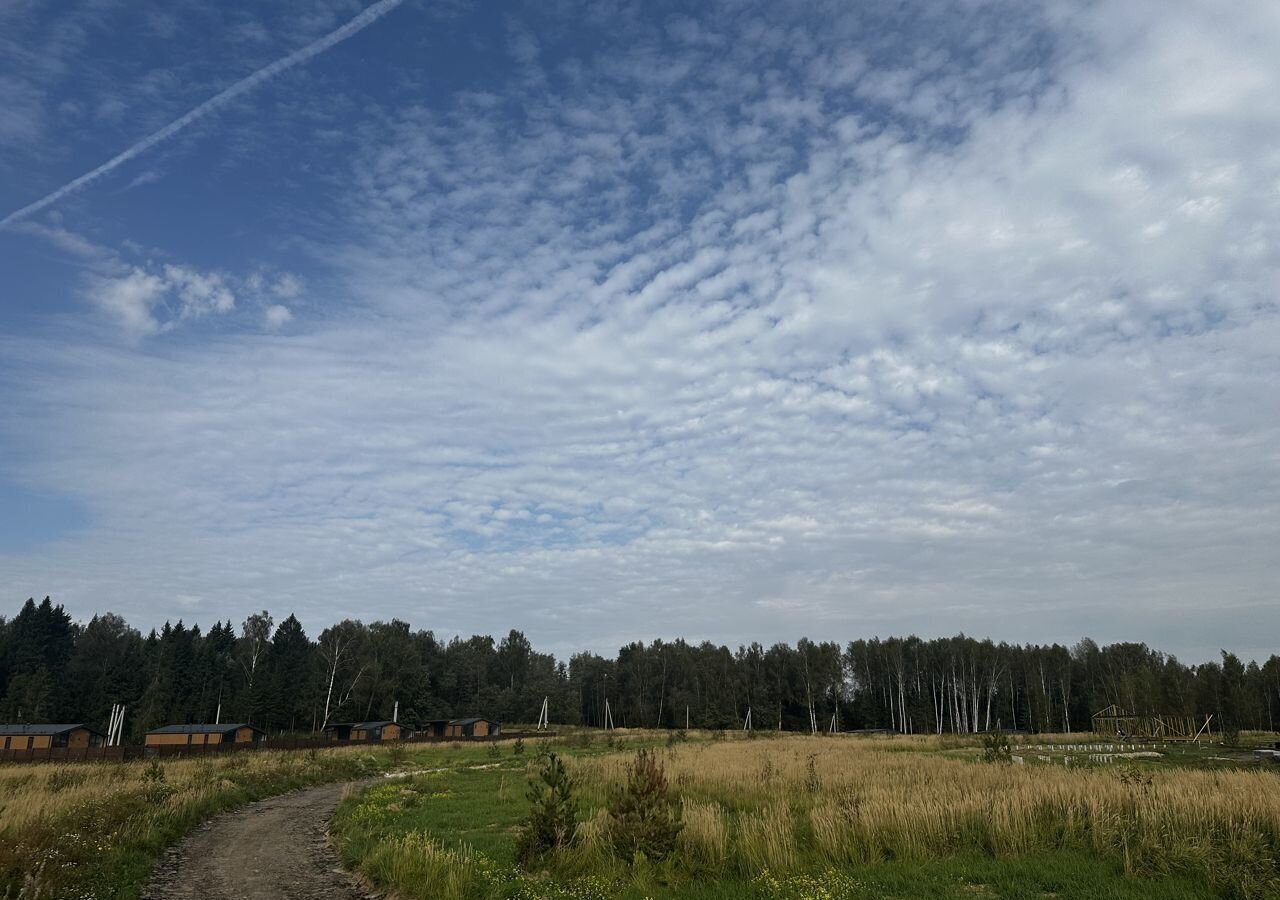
(451, 834)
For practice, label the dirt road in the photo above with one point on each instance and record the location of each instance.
(274, 849)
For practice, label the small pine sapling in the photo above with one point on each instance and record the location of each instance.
(552, 822)
(644, 817)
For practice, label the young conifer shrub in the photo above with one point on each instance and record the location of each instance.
(644, 818)
(553, 813)
(995, 747)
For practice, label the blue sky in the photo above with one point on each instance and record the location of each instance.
(611, 321)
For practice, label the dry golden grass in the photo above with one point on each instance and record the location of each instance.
(83, 828)
(704, 839)
(37, 792)
(785, 801)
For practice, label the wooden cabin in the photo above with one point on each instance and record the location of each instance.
(339, 731)
(376, 731)
(366, 731)
(436, 728)
(43, 737)
(474, 727)
(196, 735)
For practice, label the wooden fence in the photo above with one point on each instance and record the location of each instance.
(124, 754)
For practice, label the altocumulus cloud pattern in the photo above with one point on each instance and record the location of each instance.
(614, 321)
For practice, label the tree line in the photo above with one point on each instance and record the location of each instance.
(273, 675)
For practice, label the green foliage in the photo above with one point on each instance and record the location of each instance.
(517, 748)
(552, 822)
(995, 747)
(644, 818)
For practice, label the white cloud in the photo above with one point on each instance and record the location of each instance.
(130, 299)
(277, 316)
(199, 293)
(139, 299)
(984, 339)
(287, 286)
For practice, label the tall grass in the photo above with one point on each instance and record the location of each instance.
(874, 802)
(425, 868)
(94, 829)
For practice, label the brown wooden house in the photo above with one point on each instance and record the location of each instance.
(198, 735)
(366, 731)
(435, 728)
(473, 727)
(43, 737)
(376, 731)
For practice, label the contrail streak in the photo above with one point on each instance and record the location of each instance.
(213, 104)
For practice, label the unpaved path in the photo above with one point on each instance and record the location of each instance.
(274, 849)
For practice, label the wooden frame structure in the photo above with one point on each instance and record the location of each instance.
(1117, 722)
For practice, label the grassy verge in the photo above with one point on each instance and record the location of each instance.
(799, 817)
(93, 831)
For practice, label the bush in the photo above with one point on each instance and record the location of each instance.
(518, 747)
(644, 819)
(153, 773)
(995, 747)
(552, 822)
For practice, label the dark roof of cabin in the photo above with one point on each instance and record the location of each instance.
(374, 724)
(43, 729)
(472, 721)
(205, 728)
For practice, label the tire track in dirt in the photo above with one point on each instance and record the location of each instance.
(274, 849)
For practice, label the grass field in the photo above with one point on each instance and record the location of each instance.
(93, 830)
(839, 817)
(772, 817)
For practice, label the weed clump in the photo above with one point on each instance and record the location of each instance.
(644, 819)
(61, 779)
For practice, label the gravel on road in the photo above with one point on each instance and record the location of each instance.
(274, 849)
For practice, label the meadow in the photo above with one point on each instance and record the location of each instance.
(801, 816)
(93, 831)
(771, 816)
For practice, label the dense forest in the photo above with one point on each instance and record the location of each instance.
(277, 677)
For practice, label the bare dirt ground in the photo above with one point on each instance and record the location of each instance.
(274, 849)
